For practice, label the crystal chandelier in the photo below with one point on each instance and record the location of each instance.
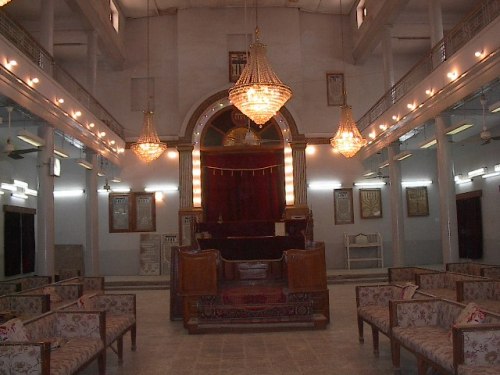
(348, 139)
(148, 147)
(259, 93)
(3, 2)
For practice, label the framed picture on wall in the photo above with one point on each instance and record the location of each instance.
(132, 212)
(335, 89)
(237, 62)
(417, 203)
(342, 201)
(119, 212)
(370, 203)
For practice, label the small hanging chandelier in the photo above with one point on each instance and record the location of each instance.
(348, 139)
(148, 147)
(259, 93)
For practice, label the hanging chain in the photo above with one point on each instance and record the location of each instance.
(148, 88)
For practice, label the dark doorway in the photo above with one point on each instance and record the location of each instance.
(470, 225)
(19, 240)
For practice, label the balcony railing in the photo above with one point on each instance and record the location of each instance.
(470, 26)
(28, 46)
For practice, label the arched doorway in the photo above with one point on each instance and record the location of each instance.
(216, 128)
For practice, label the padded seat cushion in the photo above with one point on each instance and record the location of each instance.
(376, 315)
(116, 325)
(73, 354)
(431, 341)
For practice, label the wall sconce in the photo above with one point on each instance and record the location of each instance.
(370, 184)
(416, 183)
(324, 185)
(477, 172)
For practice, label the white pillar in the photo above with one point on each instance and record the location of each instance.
(387, 58)
(91, 61)
(47, 26)
(91, 218)
(435, 21)
(447, 195)
(397, 217)
(45, 206)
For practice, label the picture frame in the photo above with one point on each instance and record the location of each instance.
(237, 62)
(343, 208)
(335, 92)
(370, 203)
(417, 202)
(132, 212)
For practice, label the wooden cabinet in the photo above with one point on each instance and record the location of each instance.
(364, 249)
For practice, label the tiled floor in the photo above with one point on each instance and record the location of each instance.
(164, 347)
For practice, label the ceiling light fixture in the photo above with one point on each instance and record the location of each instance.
(428, 144)
(459, 127)
(85, 164)
(348, 140)
(259, 93)
(402, 155)
(416, 183)
(477, 172)
(61, 153)
(495, 107)
(324, 185)
(148, 147)
(30, 138)
(369, 184)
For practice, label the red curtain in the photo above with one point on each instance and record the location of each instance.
(243, 186)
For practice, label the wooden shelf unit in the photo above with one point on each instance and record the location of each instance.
(364, 247)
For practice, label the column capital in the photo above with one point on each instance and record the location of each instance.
(184, 147)
(299, 143)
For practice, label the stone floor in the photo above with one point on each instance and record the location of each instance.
(164, 347)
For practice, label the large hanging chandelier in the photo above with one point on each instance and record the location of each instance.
(348, 140)
(259, 93)
(148, 147)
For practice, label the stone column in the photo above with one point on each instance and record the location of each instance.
(447, 196)
(47, 26)
(398, 230)
(387, 58)
(91, 254)
(299, 172)
(45, 206)
(435, 21)
(91, 61)
(185, 176)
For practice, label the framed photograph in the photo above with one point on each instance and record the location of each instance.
(145, 212)
(417, 203)
(237, 62)
(342, 200)
(335, 89)
(370, 203)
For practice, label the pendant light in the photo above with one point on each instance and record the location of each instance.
(347, 140)
(148, 147)
(259, 93)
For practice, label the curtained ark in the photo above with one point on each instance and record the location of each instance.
(243, 186)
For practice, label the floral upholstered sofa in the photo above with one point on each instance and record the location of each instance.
(91, 284)
(469, 268)
(402, 275)
(486, 293)
(442, 284)
(120, 316)
(23, 306)
(434, 332)
(60, 294)
(55, 343)
(372, 302)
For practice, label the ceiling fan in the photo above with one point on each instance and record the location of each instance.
(485, 133)
(9, 148)
(378, 175)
